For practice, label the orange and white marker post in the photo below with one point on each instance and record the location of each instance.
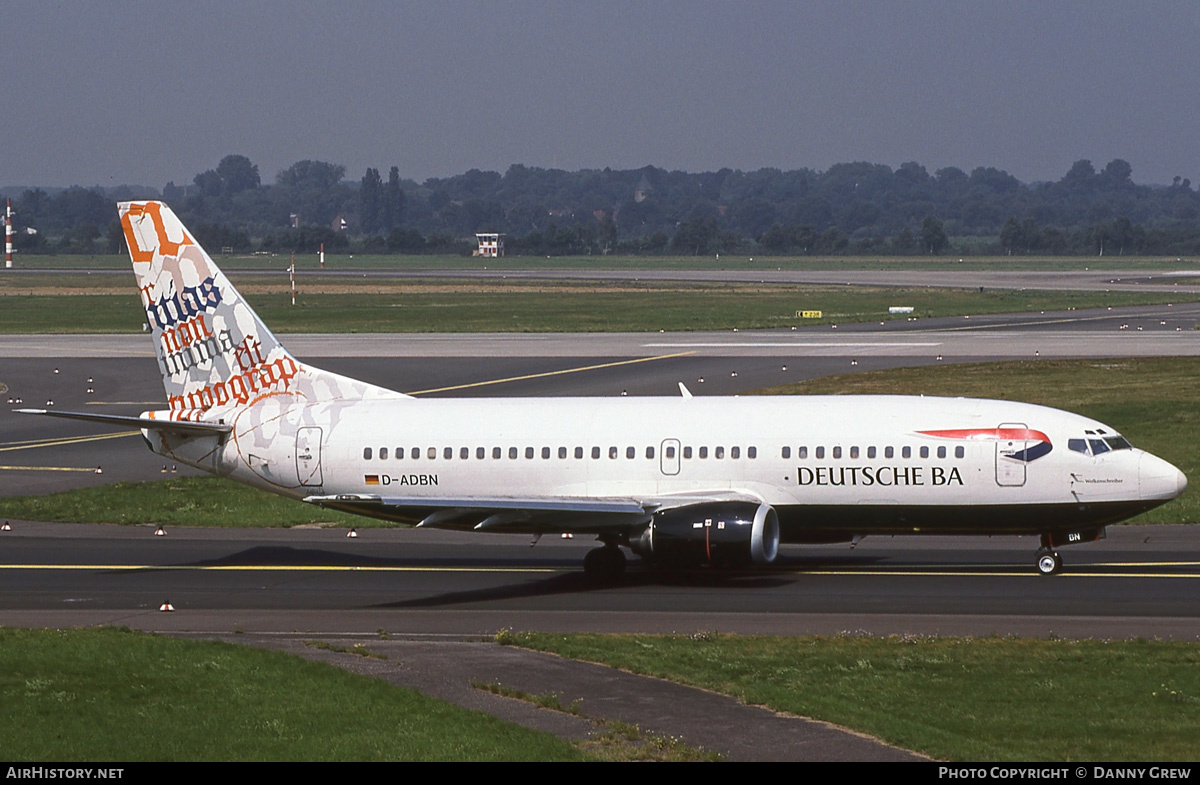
(8, 233)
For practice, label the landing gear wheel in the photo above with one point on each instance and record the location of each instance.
(604, 563)
(1049, 563)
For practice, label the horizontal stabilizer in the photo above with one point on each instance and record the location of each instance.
(167, 426)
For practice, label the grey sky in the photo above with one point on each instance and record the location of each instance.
(146, 92)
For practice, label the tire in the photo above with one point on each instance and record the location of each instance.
(1049, 563)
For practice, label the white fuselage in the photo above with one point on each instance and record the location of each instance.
(834, 466)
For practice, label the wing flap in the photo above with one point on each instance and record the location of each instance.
(487, 503)
(528, 515)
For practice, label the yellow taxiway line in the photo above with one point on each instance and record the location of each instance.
(553, 373)
(1023, 573)
(88, 469)
(10, 446)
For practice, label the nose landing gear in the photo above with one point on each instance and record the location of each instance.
(1049, 562)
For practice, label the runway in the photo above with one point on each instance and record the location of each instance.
(1139, 582)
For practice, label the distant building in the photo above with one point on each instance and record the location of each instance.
(642, 191)
(491, 244)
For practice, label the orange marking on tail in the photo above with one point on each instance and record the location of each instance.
(166, 246)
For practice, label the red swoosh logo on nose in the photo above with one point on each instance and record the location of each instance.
(990, 434)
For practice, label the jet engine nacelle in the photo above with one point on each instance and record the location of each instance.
(718, 533)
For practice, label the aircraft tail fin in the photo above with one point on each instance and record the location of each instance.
(213, 350)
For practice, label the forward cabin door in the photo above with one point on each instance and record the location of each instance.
(308, 456)
(1010, 470)
(669, 457)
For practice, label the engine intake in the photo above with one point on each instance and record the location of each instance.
(737, 533)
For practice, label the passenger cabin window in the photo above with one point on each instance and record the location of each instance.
(545, 453)
(383, 453)
(670, 451)
(415, 453)
(528, 453)
(719, 453)
(432, 453)
(480, 453)
(562, 452)
(735, 452)
(448, 453)
(650, 452)
(612, 453)
(924, 452)
(495, 453)
(751, 452)
(889, 452)
(870, 452)
(630, 452)
(595, 453)
(366, 453)
(837, 452)
(512, 453)
(578, 452)
(802, 453)
(787, 452)
(960, 451)
(820, 452)
(941, 452)
(687, 453)
(703, 452)
(906, 452)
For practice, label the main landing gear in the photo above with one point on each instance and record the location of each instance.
(604, 563)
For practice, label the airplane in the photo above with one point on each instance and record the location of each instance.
(680, 481)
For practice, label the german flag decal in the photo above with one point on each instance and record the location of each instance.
(371, 479)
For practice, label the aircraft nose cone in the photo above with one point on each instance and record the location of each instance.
(1159, 479)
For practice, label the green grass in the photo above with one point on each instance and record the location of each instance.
(499, 306)
(109, 694)
(180, 501)
(966, 699)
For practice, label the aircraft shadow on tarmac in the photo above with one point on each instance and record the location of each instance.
(571, 579)
(638, 575)
(288, 556)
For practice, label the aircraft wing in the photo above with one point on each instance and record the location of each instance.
(535, 515)
(184, 427)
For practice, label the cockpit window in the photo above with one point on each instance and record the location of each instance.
(1094, 446)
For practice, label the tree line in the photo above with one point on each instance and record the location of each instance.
(850, 208)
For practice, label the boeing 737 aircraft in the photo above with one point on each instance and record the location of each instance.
(679, 481)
